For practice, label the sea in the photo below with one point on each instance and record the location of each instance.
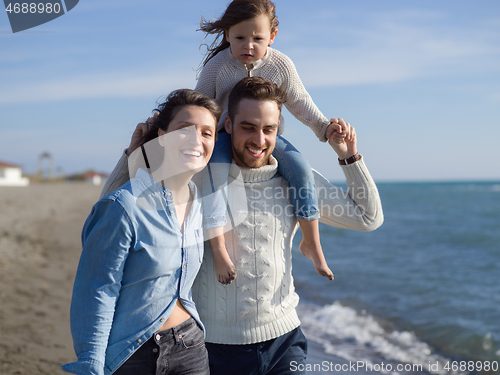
(419, 295)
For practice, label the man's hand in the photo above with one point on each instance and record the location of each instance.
(334, 130)
(139, 132)
(342, 138)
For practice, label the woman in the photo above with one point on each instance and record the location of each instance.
(132, 311)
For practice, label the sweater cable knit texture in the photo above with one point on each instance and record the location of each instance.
(260, 304)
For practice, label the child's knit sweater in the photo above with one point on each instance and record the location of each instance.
(223, 71)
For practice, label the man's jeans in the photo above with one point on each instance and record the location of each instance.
(284, 355)
(179, 350)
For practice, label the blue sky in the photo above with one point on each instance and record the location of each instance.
(419, 79)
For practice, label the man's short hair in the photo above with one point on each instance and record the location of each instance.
(256, 88)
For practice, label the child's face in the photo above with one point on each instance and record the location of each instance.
(249, 39)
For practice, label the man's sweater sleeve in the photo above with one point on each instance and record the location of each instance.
(358, 208)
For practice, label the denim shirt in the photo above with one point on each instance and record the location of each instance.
(136, 262)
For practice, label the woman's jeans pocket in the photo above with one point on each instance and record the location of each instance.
(178, 350)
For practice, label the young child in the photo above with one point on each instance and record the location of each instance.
(241, 49)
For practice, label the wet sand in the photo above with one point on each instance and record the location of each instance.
(40, 228)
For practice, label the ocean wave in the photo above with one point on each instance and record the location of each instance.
(358, 336)
(481, 188)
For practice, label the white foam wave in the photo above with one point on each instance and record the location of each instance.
(482, 188)
(353, 336)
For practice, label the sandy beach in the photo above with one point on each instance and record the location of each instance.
(40, 227)
(40, 246)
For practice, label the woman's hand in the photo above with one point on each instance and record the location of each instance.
(140, 131)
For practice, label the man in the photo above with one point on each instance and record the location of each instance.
(251, 324)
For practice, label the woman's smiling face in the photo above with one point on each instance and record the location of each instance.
(189, 140)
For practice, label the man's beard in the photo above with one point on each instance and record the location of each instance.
(248, 161)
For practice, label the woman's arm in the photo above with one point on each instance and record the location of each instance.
(118, 177)
(107, 236)
(127, 167)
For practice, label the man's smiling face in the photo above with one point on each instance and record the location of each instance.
(253, 132)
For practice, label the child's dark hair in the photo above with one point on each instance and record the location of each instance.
(170, 107)
(237, 11)
(256, 88)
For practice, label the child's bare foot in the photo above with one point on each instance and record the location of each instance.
(316, 255)
(310, 247)
(225, 269)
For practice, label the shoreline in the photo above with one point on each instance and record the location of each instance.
(40, 227)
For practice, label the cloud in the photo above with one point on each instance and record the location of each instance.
(398, 46)
(95, 86)
(109, 4)
(495, 97)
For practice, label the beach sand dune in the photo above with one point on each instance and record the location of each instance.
(40, 246)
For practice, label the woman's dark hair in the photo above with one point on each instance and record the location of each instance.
(173, 103)
(237, 11)
(256, 88)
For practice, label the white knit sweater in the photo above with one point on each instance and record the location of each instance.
(260, 304)
(223, 71)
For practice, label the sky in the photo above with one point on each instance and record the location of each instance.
(418, 79)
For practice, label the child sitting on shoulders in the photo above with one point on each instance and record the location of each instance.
(244, 34)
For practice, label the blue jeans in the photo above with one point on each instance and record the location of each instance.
(283, 355)
(178, 350)
(291, 165)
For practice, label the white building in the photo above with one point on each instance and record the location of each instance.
(11, 175)
(96, 178)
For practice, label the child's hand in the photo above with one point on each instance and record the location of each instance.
(226, 272)
(337, 129)
(224, 267)
(343, 130)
